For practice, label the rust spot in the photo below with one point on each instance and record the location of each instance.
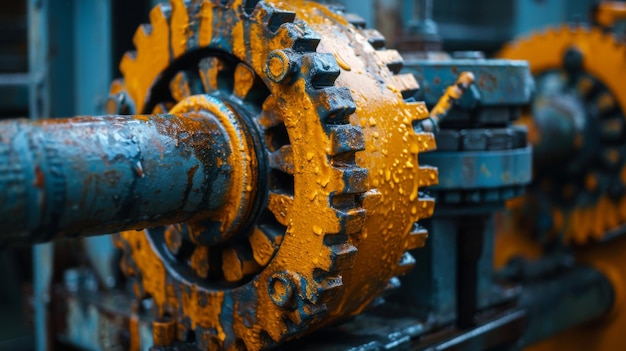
(40, 180)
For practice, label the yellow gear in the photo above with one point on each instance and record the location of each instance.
(604, 59)
(339, 138)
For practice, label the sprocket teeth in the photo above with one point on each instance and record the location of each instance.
(375, 38)
(350, 220)
(141, 35)
(355, 180)
(306, 42)
(406, 264)
(417, 110)
(417, 237)
(390, 58)
(425, 207)
(330, 289)
(428, 176)
(161, 14)
(128, 61)
(407, 85)
(426, 142)
(345, 138)
(341, 257)
(355, 20)
(335, 104)
(322, 69)
(279, 17)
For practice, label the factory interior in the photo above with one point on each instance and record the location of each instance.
(332, 175)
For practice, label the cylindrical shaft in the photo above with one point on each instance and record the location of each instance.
(97, 175)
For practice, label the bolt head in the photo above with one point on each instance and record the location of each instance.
(279, 66)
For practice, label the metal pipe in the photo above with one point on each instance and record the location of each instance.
(96, 175)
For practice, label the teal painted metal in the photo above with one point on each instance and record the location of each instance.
(95, 175)
(481, 169)
(500, 82)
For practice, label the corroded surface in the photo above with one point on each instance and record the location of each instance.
(342, 178)
(584, 208)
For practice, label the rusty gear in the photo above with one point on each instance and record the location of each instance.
(328, 182)
(580, 188)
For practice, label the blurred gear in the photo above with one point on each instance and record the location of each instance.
(578, 132)
(325, 157)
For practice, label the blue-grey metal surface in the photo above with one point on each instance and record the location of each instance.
(481, 169)
(95, 175)
(499, 82)
(39, 106)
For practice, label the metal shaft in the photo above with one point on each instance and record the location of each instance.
(97, 175)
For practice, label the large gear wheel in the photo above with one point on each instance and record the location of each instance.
(579, 193)
(325, 213)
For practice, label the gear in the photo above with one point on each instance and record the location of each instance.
(579, 132)
(328, 187)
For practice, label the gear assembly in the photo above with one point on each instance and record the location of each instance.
(273, 175)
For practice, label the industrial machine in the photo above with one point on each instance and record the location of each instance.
(270, 170)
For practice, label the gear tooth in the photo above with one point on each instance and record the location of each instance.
(426, 142)
(279, 17)
(428, 176)
(355, 20)
(306, 42)
(249, 6)
(161, 13)
(375, 38)
(335, 104)
(417, 110)
(351, 220)
(407, 262)
(390, 58)
(425, 208)
(330, 289)
(407, 85)
(128, 60)
(417, 237)
(341, 257)
(345, 138)
(322, 68)
(141, 35)
(356, 182)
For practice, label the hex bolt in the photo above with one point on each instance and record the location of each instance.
(281, 288)
(279, 66)
(163, 331)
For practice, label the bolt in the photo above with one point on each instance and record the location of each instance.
(281, 288)
(279, 66)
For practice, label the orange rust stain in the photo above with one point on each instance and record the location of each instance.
(40, 180)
